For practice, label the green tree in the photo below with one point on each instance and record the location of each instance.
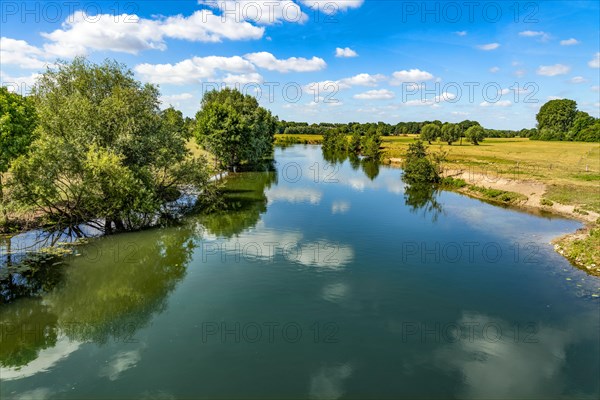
(418, 168)
(334, 140)
(355, 141)
(17, 125)
(475, 134)
(430, 132)
(450, 133)
(234, 128)
(371, 144)
(557, 116)
(104, 150)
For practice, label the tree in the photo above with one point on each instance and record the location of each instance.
(450, 133)
(580, 123)
(371, 144)
(355, 141)
(234, 128)
(557, 116)
(334, 141)
(475, 134)
(418, 168)
(105, 155)
(17, 124)
(430, 132)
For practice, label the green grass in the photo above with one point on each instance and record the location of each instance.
(502, 196)
(453, 183)
(583, 196)
(583, 252)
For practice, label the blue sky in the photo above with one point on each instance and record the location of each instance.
(329, 61)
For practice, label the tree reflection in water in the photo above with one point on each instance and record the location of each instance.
(423, 197)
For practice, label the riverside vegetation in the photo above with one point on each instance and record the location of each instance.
(92, 146)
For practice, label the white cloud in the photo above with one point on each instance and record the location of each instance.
(493, 70)
(233, 80)
(18, 84)
(595, 62)
(21, 53)
(595, 88)
(193, 70)
(501, 103)
(489, 46)
(297, 64)
(345, 83)
(345, 52)
(541, 34)
(204, 26)
(520, 73)
(170, 99)
(408, 76)
(569, 42)
(265, 12)
(128, 33)
(331, 7)
(553, 70)
(460, 113)
(461, 33)
(382, 94)
(578, 79)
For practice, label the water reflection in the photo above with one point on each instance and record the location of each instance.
(423, 198)
(245, 200)
(110, 290)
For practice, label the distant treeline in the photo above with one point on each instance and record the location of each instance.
(557, 120)
(384, 129)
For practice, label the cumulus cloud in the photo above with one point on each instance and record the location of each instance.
(489, 46)
(569, 42)
(81, 33)
(345, 83)
(20, 53)
(345, 52)
(595, 62)
(193, 70)
(412, 75)
(461, 33)
(541, 34)
(493, 70)
(553, 70)
(382, 94)
(501, 103)
(331, 7)
(578, 79)
(266, 12)
(296, 64)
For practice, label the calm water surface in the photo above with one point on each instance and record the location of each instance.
(320, 281)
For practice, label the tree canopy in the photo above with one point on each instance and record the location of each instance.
(104, 151)
(234, 128)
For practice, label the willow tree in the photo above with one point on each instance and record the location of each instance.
(234, 128)
(105, 154)
(17, 124)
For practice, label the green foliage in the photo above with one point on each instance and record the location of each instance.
(557, 116)
(475, 134)
(334, 140)
(453, 183)
(17, 124)
(502, 196)
(371, 145)
(234, 128)
(104, 149)
(355, 142)
(418, 168)
(430, 132)
(546, 202)
(450, 133)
